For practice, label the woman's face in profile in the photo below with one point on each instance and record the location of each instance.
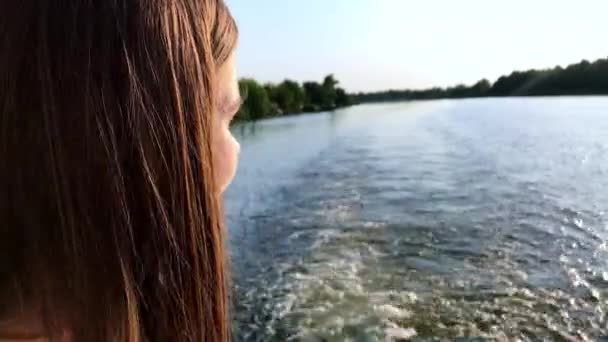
(226, 148)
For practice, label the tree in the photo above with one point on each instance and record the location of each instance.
(329, 92)
(288, 96)
(314, 96)
(257, 104)
(481, 88)
(342, 98)
(576, 79)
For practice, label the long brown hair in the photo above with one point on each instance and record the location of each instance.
(110, 220)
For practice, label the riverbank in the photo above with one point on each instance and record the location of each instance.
(272, 100)
(291, 98)
(584, 78)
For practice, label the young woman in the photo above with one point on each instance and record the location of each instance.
(114, 152)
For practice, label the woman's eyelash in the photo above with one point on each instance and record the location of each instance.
(235, 106)
(231, 106)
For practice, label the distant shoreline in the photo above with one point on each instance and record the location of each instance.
(583, 78)
(290, 98)
(416, 100)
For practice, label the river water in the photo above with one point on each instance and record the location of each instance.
(481, 218)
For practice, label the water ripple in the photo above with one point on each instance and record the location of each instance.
(482, 219)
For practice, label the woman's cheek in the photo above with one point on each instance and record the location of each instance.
(227, 151)
(234, 151)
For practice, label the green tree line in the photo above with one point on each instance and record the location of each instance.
(290, 97)
(583, 78)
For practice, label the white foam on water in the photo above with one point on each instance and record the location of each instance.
(324, 236)
(390, 311)
(393, 334)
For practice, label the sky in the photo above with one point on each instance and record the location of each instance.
(396, 44)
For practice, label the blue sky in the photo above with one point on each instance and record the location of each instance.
(382, 44)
